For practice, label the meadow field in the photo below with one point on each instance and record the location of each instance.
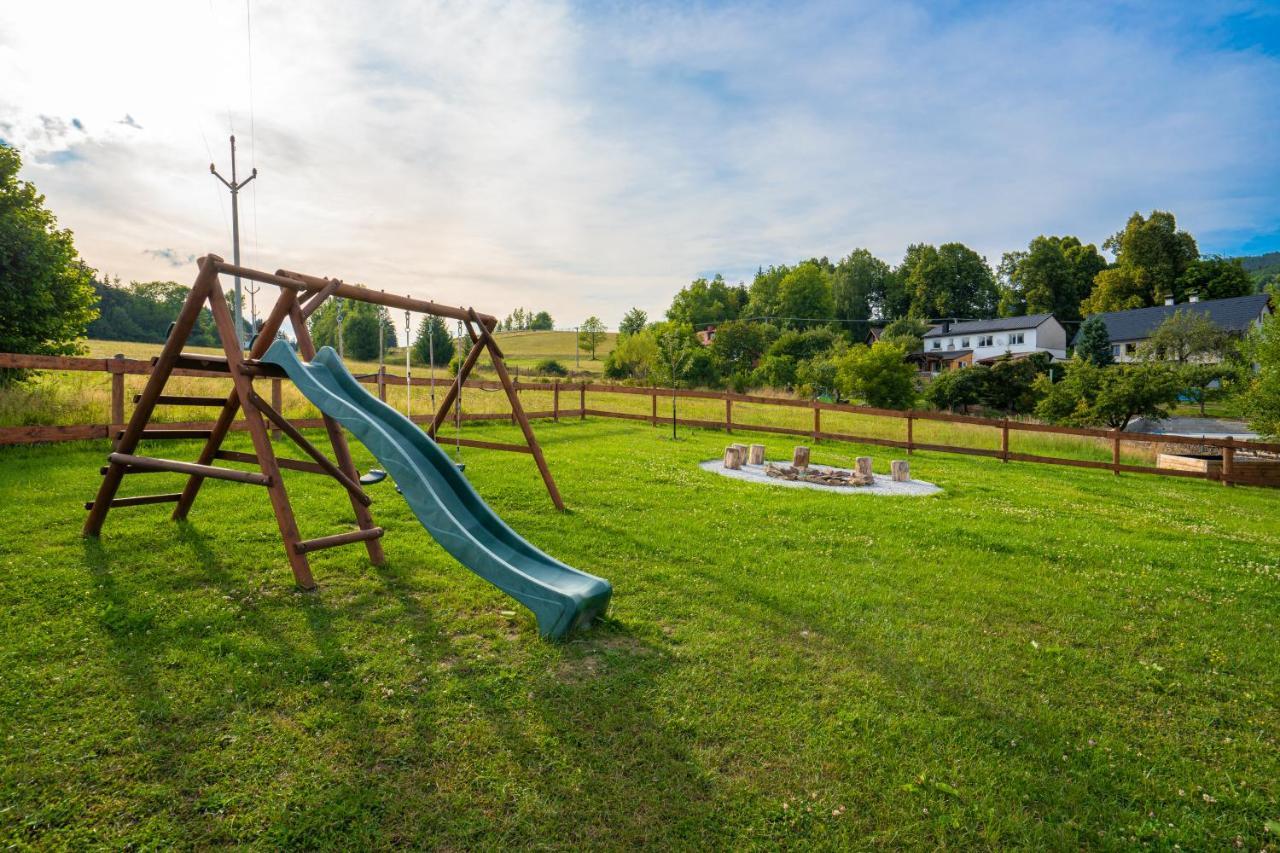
(1037, 657)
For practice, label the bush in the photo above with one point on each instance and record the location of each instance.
(1089, 395)
(550, 367)
(878, 374)
(957, 389)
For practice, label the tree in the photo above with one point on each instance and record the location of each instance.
(878, 374)
(1089, 395)
(541, 322)
(707, 302)
(763, 297)
(590, 333)
(1011, 383)
(951, 280)
(858, 287)
(634, 357)
(1262, 399)
(360, 321)
(1184, 336)
(804, 293)
(1204, 382)
(1215, 277)
(1094, 343)
(1151, 257)
(957, 389)
(675, 349)
(433, 339)
(142, 311)
(907, 333)
(46, 291)
(1053, 276)
(632, 322)
(738, 345)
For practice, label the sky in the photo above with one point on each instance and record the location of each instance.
(584, 158)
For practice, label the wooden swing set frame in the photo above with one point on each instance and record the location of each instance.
(300, 296)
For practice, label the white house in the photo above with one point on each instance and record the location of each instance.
(949, 345)
(1129, 329)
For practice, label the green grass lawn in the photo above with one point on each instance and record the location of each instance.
(1038, 657)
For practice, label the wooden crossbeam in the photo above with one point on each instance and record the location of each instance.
(150, 463)
(184, 400)
(368, 534)
(162, 434)
(141, 500)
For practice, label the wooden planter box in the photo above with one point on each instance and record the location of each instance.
(1256, 470)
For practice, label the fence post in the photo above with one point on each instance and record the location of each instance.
(728, 414)
(817, 421)
(1004, 440)
(117, 397)
(1228, 460)
(555, 400)
(1115, 452)
(582, 401)
(382, 383)
(910, 421)
(276, 403)
(653, 415)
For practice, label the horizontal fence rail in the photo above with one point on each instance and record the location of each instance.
(1230, 471)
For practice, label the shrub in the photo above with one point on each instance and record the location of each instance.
(550, 367)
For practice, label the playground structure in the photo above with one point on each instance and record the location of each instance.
(560, 597)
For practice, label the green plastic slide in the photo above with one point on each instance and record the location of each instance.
(561, 598)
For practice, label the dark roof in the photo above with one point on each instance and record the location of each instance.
(1000, 324)
(944, 354)
(1231, 315)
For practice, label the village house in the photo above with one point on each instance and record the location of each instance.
(1129, 329)
(950, 345)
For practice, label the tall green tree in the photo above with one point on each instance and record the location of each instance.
(433, 339)
(590, 333)
(951, 280)
(1052, 276)
(858, 287)
(738, 345)
(1151, 254)
(46, 292)
(1262, 399)
(1215, 277)
(1094, 344)
(632, 322)
(1186, 336)
(542, 322)
(707, 302)
(360, 323)
(804, 293)
(1090, 396)
(763, 300)
(878, 374)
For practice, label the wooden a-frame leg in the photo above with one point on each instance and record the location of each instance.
(229, 410)
(186, 321)
(261, 439)
(341, 451)
(450, 395)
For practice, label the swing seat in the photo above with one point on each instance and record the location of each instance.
(375, 475)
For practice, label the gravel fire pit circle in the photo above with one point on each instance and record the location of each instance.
(882, 485)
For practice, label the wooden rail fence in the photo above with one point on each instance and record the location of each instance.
(1230, 472)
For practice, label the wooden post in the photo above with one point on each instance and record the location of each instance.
(277, 398)
(582, 401)
(910, 439)
(555, 401)
(117, 395)
(800, 457)
(1228, 460)
(653, 416)
(755, 454)
(382, 383)
(733, 457)
(863, 464)
(900, 469)
(817, 421)
(1115, 452)
(1004, 440)
(728, 415)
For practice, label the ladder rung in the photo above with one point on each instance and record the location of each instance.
(139, 501)
(129, 470)
(210, 471)
(218, 364)
(338, 539)
(281, 461)
(149, 434)
(179, 400)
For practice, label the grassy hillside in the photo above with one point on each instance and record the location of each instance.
(1034, 659)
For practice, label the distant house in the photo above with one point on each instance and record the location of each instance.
(1128, 329)
(873, 334)
(951, 345)
(706, 336)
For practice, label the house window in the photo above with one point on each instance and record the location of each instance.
(964, 343)
(1130, 349)
(1016, 338)
(986, 340)
(1115, 350)
(937, 345)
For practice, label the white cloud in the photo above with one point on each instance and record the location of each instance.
(584, 160)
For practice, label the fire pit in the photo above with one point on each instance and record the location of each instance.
(802, 474)
(821, 475)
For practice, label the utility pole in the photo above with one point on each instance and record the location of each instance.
(235, 186)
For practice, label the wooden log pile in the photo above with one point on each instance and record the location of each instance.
(822, 476)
